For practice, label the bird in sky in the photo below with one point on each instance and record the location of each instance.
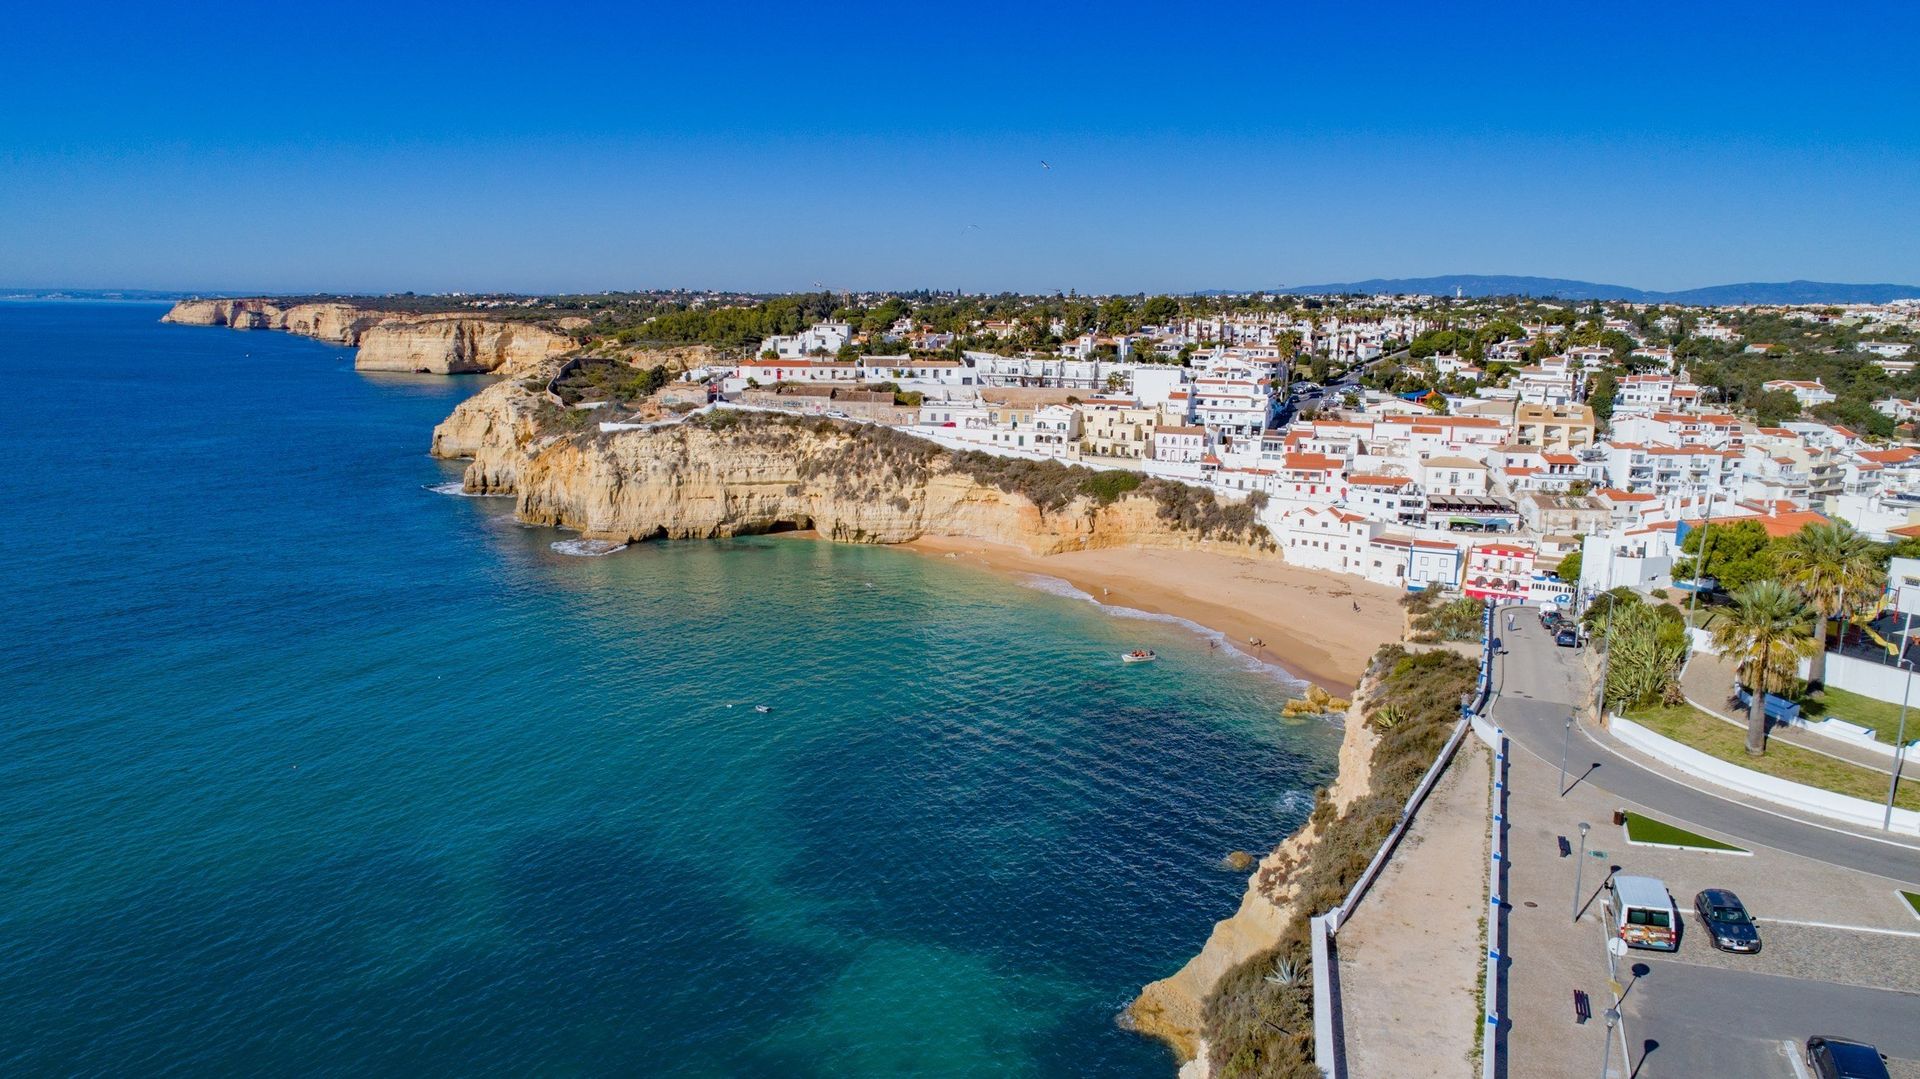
(974, 228)
(1044, 165)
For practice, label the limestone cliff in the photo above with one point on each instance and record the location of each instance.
(338, 323)
(730, 473)
(446, 345)
(497, 429)
(1171, 1008)
(391, 341)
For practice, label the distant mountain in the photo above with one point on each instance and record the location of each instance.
(1767, 292)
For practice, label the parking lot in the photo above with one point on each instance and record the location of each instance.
(1698, 1012)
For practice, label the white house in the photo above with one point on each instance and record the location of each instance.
(1808, 394)
(1325, 538)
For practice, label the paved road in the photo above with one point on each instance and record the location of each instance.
(1539, 684)
(1758, 1013)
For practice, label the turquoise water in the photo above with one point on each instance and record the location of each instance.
(309, 769)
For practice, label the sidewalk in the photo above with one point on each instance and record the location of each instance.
(1410, 958)
(1707, 681)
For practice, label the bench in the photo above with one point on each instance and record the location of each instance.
(1778, 709)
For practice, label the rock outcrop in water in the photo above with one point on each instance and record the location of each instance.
(731, 473)
(391, 341)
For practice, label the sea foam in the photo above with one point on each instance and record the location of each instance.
(459, 489)
(1054, 585)
(587, 548)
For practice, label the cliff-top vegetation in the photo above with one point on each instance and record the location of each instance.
(1259, 1020)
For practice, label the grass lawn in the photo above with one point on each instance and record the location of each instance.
(1913, 900)
(1643, 829)
(1690, 726)
(1882, 716)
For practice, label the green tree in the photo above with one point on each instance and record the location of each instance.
(1831, 567)
(1569, 568)
(1600, 396)
(1737, 554)
(1160, 310)
(1771, 408)
(1766, 635)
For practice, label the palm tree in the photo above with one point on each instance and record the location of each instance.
(1830, 565)
(1766, 635)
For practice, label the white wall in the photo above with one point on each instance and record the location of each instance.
(1765, 787)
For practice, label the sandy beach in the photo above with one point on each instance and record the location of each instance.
(1305, 620)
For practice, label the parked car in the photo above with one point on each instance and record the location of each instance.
(1729, 927)
(1550, 619)
(1567, 637)
(1646, 914)
(1838, 1058)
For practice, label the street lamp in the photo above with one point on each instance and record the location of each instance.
(1565, 738)
(1606, 1053)
(1899, 739)
(1579, 869)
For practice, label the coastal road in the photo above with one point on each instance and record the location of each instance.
(1539, 684)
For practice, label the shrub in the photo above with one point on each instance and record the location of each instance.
(1257, 1025)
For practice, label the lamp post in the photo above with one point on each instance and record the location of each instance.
(1606, 1053)
(1579, 869)
(1565, 738)
(1899, 739)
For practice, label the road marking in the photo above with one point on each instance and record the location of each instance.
(1847, 928)
(1795, 1058)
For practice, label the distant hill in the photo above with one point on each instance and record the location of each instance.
(1770, 292)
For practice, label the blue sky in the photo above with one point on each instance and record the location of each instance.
(401, 146)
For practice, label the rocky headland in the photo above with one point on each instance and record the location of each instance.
(728, 473)
(442, 344)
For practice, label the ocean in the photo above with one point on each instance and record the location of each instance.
(309, 768)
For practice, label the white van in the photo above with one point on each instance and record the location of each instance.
(1646, 913)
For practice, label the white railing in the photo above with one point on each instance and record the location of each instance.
(1492, 980)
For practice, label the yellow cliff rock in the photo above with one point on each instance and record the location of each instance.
(391, 341)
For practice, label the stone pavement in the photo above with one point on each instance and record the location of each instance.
(1410, 956)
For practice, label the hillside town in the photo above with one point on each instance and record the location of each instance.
(1530, 461)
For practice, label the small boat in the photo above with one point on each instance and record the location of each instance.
(763, 708)
(1138, 655)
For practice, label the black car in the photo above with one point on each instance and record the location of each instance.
(1567, 637)
(1837, 1058)
(1729, 926)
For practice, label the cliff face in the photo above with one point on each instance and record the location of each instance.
(338, 323)
(497, 428)
(454, 345)
(722, 475)
(1171, 1008)
(390, 341)
(689, 481)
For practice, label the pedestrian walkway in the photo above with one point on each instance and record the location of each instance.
(1708, 681)
(1410, 958)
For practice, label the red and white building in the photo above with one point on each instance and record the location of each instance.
(1500, 571)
